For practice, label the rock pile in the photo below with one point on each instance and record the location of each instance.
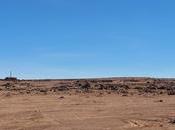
(151, 86)
(83, 85)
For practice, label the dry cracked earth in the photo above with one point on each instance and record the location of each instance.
(91, 104)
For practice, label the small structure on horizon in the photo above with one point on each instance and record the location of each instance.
(11, 78)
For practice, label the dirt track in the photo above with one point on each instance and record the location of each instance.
(86, 112)
(67, 110)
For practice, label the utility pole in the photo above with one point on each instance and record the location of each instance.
(10, 74)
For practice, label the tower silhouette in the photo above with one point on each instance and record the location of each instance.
(10, 74)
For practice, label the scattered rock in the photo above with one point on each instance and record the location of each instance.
(83, 85)
(62, 97)
(124, 95)
(171, 90)
(123, 86)
(60, 88)
(44, 91)
(159, 101)
(8, 86)
(172, 121)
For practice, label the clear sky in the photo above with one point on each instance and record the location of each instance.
(87, 38)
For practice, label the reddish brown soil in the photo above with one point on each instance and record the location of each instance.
(96, 104)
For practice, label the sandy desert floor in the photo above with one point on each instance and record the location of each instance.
(87, 112)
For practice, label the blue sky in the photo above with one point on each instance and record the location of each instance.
(87, 38)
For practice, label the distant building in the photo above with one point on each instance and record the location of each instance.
(11, 78)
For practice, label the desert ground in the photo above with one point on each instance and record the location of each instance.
(88, 104)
